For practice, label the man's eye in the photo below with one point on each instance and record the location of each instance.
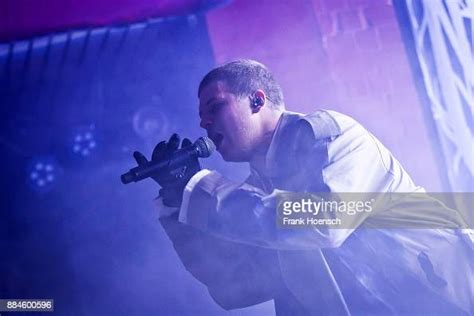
(216, 107)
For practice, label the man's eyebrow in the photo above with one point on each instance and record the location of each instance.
(211, 100)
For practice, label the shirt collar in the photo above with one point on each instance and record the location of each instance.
(271, 157)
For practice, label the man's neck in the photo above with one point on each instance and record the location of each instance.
(258, 160)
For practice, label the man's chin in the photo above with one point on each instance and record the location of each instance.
(225, 156)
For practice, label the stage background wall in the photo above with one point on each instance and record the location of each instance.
(344, 55)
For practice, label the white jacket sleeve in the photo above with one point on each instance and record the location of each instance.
(243, 213)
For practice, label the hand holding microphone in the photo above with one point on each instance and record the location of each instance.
(170, 166)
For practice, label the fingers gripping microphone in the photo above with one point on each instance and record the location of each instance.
(203, 147)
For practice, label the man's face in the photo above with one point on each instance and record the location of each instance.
(229, 121)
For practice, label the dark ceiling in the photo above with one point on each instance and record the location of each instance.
(20, 19)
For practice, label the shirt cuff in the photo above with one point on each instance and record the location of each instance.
(183, 212)
(201, 197)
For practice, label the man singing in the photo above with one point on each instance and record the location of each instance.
(227, 236)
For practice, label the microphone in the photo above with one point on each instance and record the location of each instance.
(203, 147)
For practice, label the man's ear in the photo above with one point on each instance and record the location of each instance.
(257, 100)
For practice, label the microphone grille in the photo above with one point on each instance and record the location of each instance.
(205, 147)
